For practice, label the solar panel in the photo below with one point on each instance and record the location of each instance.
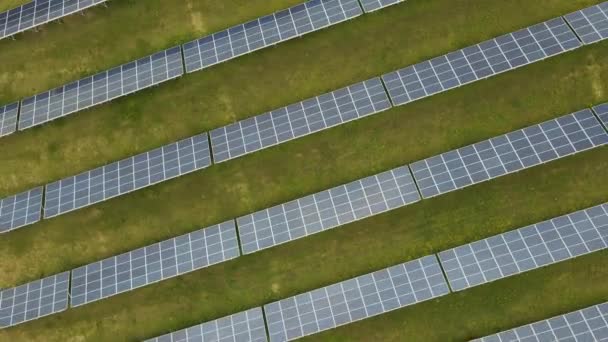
(327, 209)
(586, 325)
(151, 264)
(527, 248)
(480, 61)
(509, 153)
(299, 119)
(246, 326)
(8, 119)
(591, 23)
(355, 299)
(266, 31)
(34, 300)
(39, 12)
(374, 5)
(103, 87)
(602, 113)
(20, 210)
(133, 173)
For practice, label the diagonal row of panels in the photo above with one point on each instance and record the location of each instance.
(562, 238)
(416, 281)
(405, 85)
(504, 155)
(40, 12)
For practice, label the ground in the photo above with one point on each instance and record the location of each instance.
(362, 48)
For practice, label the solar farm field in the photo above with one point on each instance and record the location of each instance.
(231, 196)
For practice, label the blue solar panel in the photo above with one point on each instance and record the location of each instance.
(590, 24)
(374, 5)
(509, 153)
(299, 119)
(100, 88)
(127, 175)
(527, 248)
(39, 12)
(20, 210)
(266, 31)
(8, 119)
(480, 61)
(602, 113)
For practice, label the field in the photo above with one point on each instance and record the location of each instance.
(362, 48)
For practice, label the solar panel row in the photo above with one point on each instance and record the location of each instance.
(8, 119)
(150, 264)
(266, 31)
(246, 326)
(480, 61)
(374, 5)
(20, 210)
(586, 325)
(509, 153)
(299, 119)
(602, 112)
(133, 173)
(355, 299)
(39, 12)
(527, 248)
(591, 23)
(34, 300)
(100, 88)
(327, 209)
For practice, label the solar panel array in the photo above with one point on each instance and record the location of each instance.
(34, 300)
(327, 209)
(266, 31)
(39, 12)
(355, 299)
(20, 210)
(299, 119)
(8, 119)
(480, 61)
(133, 173)
(527, 248)
(591, 23)
(246, 326)
(150, 264)
(374, 5)
(100, 88)
(509, 153)
(602, 113)
(586, 325)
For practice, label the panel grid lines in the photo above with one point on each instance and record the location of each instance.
(602, 112)
(327, 209)
(480, 61)
(8, 118)
(266, 31)
(527, 248)
(591, 23)
(100, 88)
(153, 263)
(39, 12)
(355, 299)
(127, 175)
(34, 300)
(509, 153)
(298, 120)
(20, 210)
(374, 5)
(589, 324)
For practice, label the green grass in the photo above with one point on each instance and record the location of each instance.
(285, 74)
(426, 227)
(255, 83)
(10, 4)
(102, 38)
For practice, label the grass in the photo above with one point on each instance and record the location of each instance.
(284, 74)
(6, 5)
(273, 77)
(407, 233)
